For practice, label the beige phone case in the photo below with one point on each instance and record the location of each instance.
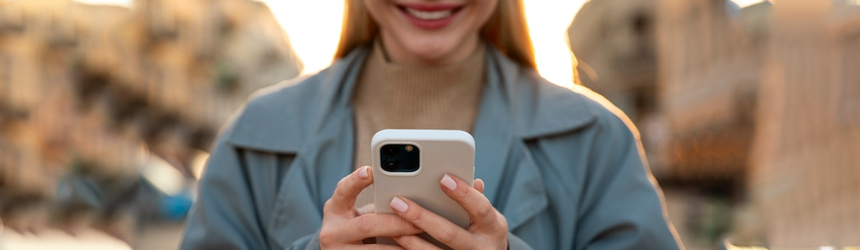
(440, 152)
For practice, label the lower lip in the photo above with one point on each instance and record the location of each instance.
(430, 24)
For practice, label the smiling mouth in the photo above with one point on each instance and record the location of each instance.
(429, 15)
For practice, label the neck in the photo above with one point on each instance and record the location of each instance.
(397, 53)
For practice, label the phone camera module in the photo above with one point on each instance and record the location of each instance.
(399, 157)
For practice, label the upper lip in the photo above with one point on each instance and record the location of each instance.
(430, 6)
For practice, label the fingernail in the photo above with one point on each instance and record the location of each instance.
(449, 182)
(399, 204)
(363, 172)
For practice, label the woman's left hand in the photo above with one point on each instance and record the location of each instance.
(489, 229)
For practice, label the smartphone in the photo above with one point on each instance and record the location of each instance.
(411, 162)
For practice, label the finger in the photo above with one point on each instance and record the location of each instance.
(482, 213)
(375, 225)
(414, 242)
(437, 226)
(348, 188)
(366, 209)
(479, 185)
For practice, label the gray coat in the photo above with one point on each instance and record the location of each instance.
(563, 166)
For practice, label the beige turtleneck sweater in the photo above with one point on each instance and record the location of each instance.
(397, 96)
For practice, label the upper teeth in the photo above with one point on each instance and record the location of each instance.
(429, 15)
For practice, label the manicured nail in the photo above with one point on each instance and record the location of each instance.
(363, 172)
(449, 182)
(399, 204)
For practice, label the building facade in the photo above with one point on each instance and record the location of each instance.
(761, 101)
(806, 168)
(88, 92)
(707, 77)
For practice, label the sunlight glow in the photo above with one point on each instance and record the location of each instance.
(548, 22)
(314, 30)
(745, 3)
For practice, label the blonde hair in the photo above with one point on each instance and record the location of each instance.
(506, 30)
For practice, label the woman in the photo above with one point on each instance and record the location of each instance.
(561, 171)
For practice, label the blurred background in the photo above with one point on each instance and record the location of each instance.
(749, 110)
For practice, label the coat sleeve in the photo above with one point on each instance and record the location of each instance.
(233, 205)
(622, 206)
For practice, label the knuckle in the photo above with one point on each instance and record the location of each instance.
(416, 216)
(327, 235)
(342, 189)
(342, 184)
(340, 195)
(485, 210)
(501, 225)
(364, 228)
(406, 242)
(404, 225)
(448, 235)
(327, 206)
(503, 221)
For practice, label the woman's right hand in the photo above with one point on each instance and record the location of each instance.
(343, 227)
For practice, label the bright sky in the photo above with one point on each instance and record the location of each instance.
(314, 26)
(126, 3)
(745, 3)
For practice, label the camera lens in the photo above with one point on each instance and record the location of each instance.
(390, 150)
(391, 165)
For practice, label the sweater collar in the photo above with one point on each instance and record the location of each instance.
(403, 96)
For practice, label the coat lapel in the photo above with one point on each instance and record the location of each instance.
(493, 138)
(518, 105)
(324, 158)
(513, 183)
(334, 144)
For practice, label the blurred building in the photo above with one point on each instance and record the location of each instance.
(615, 45)
(709, 55)
(614, 40)
(684, 71)
(806, 168)
(708, 74)
(89, 92)
(755, 106)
